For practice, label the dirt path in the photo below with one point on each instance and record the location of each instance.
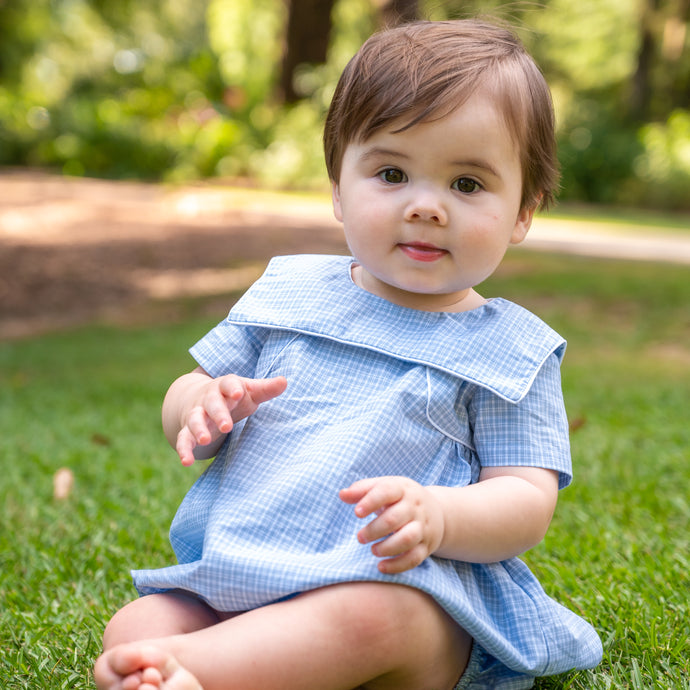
(74, 250)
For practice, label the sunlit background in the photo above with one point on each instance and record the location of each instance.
(178, 90)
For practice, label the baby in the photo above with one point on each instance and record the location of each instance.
(387, 441)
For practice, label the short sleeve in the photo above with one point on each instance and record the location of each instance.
(229, 348)
(530, 433)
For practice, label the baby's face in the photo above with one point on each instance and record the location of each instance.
(429, 212)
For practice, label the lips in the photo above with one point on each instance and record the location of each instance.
(421, 251)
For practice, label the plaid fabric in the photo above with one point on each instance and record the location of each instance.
(374, 389)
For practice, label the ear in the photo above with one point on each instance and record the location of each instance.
(522, 225)
(337, 208)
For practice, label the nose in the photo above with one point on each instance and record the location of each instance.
(426, 206)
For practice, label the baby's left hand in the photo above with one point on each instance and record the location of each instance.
(409, 522)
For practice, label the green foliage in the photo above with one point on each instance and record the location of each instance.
(181, 90)
(597, 154)
(107, 91)
(617, 552)
(663, 168)
(610, 162)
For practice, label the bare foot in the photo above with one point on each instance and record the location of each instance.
(141, 666)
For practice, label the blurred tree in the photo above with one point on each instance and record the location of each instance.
(308, 36)
(661, 80)
(19, 34)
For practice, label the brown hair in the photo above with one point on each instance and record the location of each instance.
(422, 71)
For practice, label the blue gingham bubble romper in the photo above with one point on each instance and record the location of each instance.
(374, 389)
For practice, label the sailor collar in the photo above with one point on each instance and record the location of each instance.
(499, 346)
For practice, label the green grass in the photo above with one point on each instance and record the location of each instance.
(617, 553)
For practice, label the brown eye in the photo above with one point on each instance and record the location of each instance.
(466, 185)
(393, 176)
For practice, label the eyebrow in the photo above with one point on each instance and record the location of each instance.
(477, 163)
(379, 151)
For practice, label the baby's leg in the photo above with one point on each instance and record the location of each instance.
(158, 615)
(370, 635)
(129, 665)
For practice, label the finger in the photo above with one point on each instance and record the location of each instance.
(185, 445)
(382, 494)
(399, 542)
(198, 425)
(217, 409)
(232, 387)
(261, 390)
(389, 520)
(253, 393)
(355, 492)
(407, 561)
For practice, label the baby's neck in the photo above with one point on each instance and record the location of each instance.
(466, 300)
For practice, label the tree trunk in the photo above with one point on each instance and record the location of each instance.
(662, 77)
(307, 38)
(641, 86)
(675, 40)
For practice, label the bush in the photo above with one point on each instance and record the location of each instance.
(597, 153)
(662, 169)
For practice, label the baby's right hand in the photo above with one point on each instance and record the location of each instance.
(213, 407)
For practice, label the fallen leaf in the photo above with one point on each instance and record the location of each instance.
(63, 481)
(100, 439)
(577, 424)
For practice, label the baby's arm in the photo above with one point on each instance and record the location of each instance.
(507, 512)
(504, 514)
(199, 411)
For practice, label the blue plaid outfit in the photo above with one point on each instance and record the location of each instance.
(375, 389)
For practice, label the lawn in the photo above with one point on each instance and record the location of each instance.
(617, 552)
